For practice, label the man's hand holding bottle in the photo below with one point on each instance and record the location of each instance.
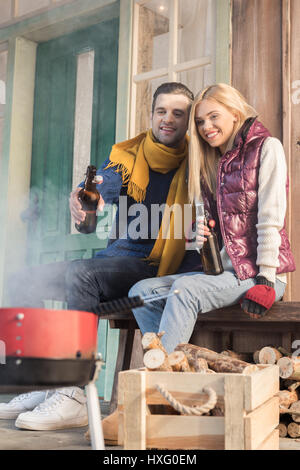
(76, 207)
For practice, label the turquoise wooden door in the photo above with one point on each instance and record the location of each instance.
(61, 96)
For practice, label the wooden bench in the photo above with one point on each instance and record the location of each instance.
(227, 328)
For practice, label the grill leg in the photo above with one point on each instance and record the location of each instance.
(94, 412)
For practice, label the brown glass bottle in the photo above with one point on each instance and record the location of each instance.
(210, 253)
(89, 198)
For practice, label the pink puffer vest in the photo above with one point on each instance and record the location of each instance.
(237, 203)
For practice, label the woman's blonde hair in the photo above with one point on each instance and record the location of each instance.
(203, 159)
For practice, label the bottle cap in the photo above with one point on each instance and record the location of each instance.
(98, 179)
(212, 223)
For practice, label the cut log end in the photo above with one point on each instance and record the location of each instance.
(178, 361)
(295, 407)
(286, 398)
(289, 368)
(283, 430)
(156, 360)
(153, 341)
(293, 430)
(269, 355)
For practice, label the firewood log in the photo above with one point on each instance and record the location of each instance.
(235, 355)
(269, 355)
(209, 371)
(196, 363)
(284, 351)
(286, 398)
(179, 362)
(216, 361)
(256, 357)
(234, 366)
(289, 368)
(197, 351)
(283, 429)
(218, 410)
(295, 407)
(285, 420)
(289, 385)
(293, 430)
(152, 341)
(157, 360)
(293, 386)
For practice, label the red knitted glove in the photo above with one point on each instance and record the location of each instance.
(260, 298)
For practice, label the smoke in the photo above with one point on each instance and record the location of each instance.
(37, 238)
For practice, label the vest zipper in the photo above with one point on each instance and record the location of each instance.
(220, 214)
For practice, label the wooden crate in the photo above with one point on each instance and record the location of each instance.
(251, 410)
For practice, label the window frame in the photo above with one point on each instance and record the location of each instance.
(222, 53)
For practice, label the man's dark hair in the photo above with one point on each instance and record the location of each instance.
(174, 88)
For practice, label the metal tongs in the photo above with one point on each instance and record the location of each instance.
(126, 304)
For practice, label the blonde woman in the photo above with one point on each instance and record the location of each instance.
(239, 171)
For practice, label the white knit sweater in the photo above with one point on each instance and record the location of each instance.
(271, 209)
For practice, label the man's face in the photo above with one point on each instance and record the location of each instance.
(170, 118)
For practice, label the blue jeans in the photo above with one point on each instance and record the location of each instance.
(199, 292)
(83, 284)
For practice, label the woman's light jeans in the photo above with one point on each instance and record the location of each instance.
(198, 292)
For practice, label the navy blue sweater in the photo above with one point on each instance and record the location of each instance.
(136, 226)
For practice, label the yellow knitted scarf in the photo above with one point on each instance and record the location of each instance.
(132, 159)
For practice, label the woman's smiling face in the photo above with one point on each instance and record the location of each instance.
(215, 123)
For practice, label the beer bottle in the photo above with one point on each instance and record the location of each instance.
(89, 198)
(210, 253)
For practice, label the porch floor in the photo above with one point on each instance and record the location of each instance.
(12, 438)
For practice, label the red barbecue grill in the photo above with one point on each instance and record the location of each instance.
(57, 348)
(52, 349)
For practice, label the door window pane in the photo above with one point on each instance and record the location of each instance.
(196, 29)
(83, 118)
(197, 79)
(83, 115)
(153, 35)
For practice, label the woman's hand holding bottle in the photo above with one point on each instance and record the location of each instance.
(202, 232)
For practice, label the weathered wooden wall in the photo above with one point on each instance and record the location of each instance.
(256, 58)
(265, 64)
(293, 137)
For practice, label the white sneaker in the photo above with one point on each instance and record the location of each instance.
(21, 403)
(66, 408)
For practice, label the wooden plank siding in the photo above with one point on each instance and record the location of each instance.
(295, 145)
(256, 58)
(265, 65)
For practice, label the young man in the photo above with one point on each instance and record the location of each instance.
(146, 170)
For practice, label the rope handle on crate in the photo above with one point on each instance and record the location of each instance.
(190, 410)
